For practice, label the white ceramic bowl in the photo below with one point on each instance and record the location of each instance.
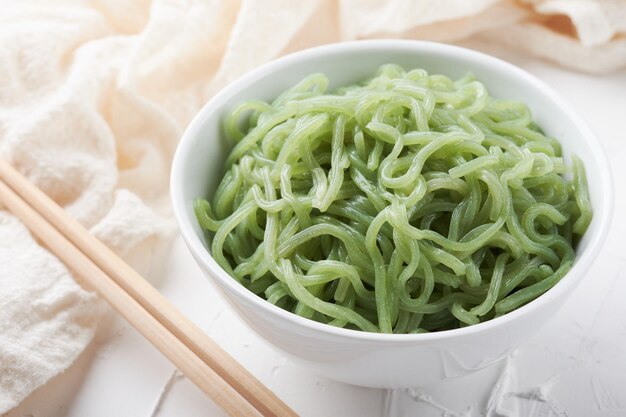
(382, 360)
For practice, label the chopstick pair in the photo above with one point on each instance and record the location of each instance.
(195, 354)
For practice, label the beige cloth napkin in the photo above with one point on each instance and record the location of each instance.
(95, 94)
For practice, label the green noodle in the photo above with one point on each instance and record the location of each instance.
(409, 203)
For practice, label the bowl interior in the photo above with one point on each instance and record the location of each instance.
(197, 167)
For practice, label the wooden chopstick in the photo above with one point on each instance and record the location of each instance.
(184, 359)
(37, 207)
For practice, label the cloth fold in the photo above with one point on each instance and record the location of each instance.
(95, 95)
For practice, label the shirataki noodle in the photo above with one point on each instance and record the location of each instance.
(408, 203)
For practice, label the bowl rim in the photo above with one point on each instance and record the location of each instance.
(581, 264)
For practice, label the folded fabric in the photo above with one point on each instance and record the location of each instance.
(95, 95)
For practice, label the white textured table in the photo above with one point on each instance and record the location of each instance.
(576, 365)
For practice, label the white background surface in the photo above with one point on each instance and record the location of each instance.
(576, 365)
